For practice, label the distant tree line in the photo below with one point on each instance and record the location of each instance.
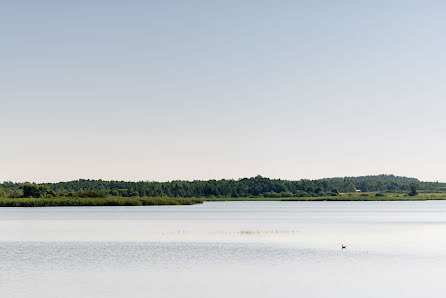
(247, 187)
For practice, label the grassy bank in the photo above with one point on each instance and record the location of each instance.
(107, 201)
(150, 201)
(347, 197)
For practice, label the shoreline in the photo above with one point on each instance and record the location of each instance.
(107, 201)
(166, 201)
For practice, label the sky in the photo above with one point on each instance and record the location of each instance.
(167, 90)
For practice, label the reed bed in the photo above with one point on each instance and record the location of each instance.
(107, 201)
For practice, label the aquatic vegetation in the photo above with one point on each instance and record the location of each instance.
(107, 201)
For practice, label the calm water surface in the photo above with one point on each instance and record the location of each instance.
(226, 249)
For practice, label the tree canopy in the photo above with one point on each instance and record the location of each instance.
(2, 193)
(36, 191)
(246, 187)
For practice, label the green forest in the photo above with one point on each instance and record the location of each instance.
(242, 188)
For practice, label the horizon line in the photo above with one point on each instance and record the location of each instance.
(216, 179)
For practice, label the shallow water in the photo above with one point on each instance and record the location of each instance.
(226, 249)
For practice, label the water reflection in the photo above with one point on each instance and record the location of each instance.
(230, 249)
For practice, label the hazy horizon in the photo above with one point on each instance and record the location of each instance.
(173, 90)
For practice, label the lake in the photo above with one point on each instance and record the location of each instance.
(226, 249)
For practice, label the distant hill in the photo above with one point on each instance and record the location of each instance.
(245, 187)
(381, 177)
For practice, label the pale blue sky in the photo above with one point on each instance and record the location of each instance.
(162, 90)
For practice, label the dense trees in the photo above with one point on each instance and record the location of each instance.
(36, 191)
(413, 190)
(2, 193)
(351, 187)
(247, 187)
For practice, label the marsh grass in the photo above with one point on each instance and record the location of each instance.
(159, 201)
(107, 201)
